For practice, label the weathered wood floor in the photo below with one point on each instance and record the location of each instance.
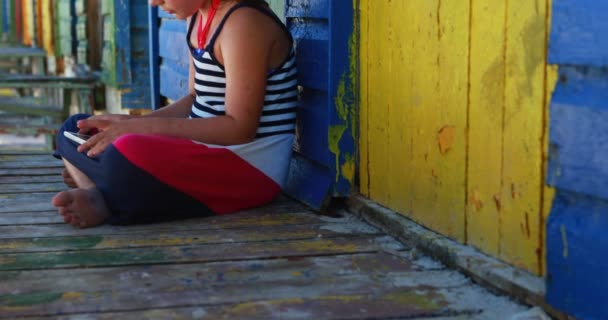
(282, 261)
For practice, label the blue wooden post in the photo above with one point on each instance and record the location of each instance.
(153, 57)
(175, 57)
(324, 163)
(577, 230)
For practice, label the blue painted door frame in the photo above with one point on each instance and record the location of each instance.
(325, 156)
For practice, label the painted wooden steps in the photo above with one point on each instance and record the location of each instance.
(278, 261)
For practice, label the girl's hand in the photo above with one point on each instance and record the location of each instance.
(85, 128)
(109, 131)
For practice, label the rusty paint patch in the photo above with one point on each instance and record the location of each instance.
(475, 200)
(446, 137)
(71, 295)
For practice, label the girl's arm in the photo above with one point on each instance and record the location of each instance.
(244, 48)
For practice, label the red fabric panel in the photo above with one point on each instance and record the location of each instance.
(215, 176)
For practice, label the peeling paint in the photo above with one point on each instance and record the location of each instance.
(335, 135)
(446, 137)
(348, 167)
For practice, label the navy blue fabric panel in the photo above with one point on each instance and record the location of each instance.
(132, 195)
(576, 256)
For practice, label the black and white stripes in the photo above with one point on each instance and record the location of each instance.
(280, 102)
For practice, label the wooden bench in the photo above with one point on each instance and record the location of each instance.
(42, 114)
(17, 58)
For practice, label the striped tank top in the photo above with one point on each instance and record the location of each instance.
(271, 149)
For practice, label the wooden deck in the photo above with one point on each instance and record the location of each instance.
(278, 262)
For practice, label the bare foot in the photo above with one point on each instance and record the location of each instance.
(67, 179)
(82, 208)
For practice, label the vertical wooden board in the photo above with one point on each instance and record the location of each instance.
(435, 121)
(486, 107)
(363, 172)
(523, 132)
(448, 160)
(27, 20)
(415, 98)
(548, 192)
(376, 100)
(47, 23)
(3, 21)
(398, 86)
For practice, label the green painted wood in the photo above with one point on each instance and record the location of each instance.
(183, 238)
(199, 253)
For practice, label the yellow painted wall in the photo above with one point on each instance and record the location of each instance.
(454, 98)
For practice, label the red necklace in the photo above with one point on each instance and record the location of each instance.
(203, 32)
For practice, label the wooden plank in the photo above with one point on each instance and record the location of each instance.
(200, 253)
(190, 237)
(280, 269)
(32, 187)
(29, 172)
(50, 162)
(27, 108)
(21, 52)
(364, 93)
(351, 306)
(377, 102)
(417, 111)
(314, 299)
(335, 290)
(269, 216)
(486, 108)
(521, 197)
(27, 157)
(19, 202)
(30, 218)
(45, 81)
(30, 179)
